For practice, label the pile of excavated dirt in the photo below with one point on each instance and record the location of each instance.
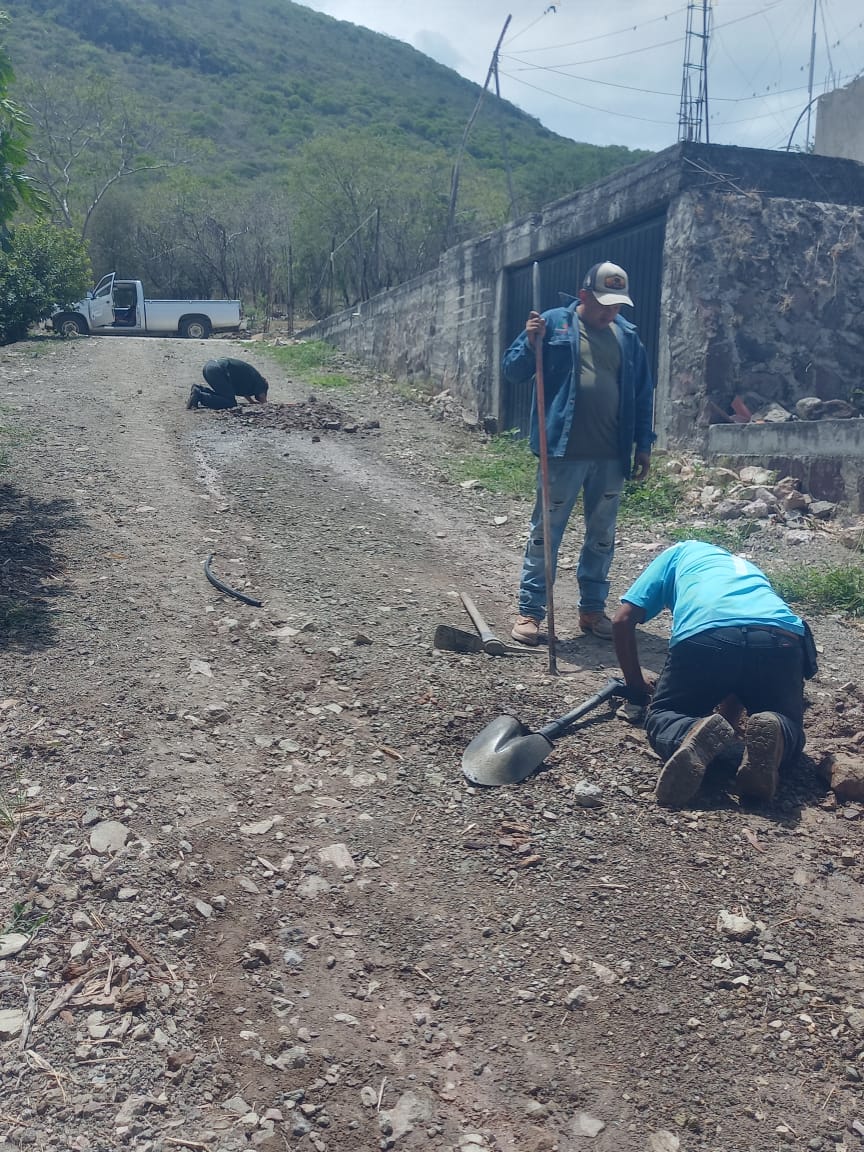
(310, 415)
(247, 897)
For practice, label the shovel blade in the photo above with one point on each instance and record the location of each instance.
(505, 752)
(449, 639)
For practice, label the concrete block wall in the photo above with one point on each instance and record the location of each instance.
(827, 456)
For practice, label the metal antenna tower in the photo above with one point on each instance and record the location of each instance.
(694, 80)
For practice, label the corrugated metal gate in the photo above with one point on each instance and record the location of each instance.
(638, 249)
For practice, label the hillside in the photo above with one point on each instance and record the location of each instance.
(270, 134)
(257, 86)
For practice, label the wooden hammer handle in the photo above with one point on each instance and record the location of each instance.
(479, 623)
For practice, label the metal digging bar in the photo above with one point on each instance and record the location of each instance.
(506, 752)
(544, 477)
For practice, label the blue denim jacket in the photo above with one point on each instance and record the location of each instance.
(561, 381)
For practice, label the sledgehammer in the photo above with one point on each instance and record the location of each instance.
(491, 644)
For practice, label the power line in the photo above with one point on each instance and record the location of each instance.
(600, 36)
(580, 104)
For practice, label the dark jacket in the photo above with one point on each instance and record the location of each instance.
(228, 376)
(561, 382)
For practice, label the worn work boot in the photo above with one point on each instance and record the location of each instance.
(597, 624)
(764, 746)
(681, 775)
(526, 630)
(192, 402)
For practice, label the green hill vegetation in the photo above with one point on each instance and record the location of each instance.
(215, 148)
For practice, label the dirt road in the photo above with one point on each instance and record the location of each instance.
(259, 905)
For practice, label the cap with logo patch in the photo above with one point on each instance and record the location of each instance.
(609, 284)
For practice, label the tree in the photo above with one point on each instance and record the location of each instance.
(16, 189)
(41, 267)
(87, 137)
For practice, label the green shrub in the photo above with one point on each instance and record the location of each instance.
(41, 268)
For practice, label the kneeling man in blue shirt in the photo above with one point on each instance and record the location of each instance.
(732, 635)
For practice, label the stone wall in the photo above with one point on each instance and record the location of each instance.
(762, 298)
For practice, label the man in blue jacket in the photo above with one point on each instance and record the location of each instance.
(599, 408)
(735, 645)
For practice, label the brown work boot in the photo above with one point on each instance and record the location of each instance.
(681, 775)
(597, 624)
(764, 746)
(526, 630)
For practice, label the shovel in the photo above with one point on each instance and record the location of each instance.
(506, 752)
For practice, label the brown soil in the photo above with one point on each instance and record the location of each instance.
(499, 969)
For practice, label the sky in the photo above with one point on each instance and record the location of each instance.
(612, 74)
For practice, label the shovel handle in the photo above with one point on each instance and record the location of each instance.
(479, 623)
(614, 687)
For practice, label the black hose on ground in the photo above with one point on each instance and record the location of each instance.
(217, 583)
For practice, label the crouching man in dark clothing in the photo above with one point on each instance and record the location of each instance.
(732, 635)
(228, 378)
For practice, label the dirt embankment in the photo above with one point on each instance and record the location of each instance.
(249, 899)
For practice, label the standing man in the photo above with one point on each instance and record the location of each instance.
(732, 636)
(599, 405)
(228, 378)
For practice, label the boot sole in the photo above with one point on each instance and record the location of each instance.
(759, 773)
(530, 641)
(682, 774)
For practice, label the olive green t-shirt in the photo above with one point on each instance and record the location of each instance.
(594, 431)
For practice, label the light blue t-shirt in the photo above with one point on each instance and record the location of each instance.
(707, 587)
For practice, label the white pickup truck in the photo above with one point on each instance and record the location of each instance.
(118, 307)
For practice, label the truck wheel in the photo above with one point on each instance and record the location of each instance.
(71, 326)
(195, 328)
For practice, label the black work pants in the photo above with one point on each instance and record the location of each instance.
(761, 665)
(220, 394)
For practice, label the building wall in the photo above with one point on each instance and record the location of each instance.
(840, 122)
(762, 287)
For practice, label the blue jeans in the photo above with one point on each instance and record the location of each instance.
(601, 482)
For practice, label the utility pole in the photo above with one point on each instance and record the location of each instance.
(694, 80)
(810, 82)
(454, 180)
(504, 150)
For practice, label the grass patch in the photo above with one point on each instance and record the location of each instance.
(653, 500)
(26, 920)
(839, 589)
(310, 361)
(505, 466)
(732, 537)
(303, 358)
(318, 380)
(11, 803)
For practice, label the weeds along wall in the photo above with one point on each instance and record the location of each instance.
(760, 286)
